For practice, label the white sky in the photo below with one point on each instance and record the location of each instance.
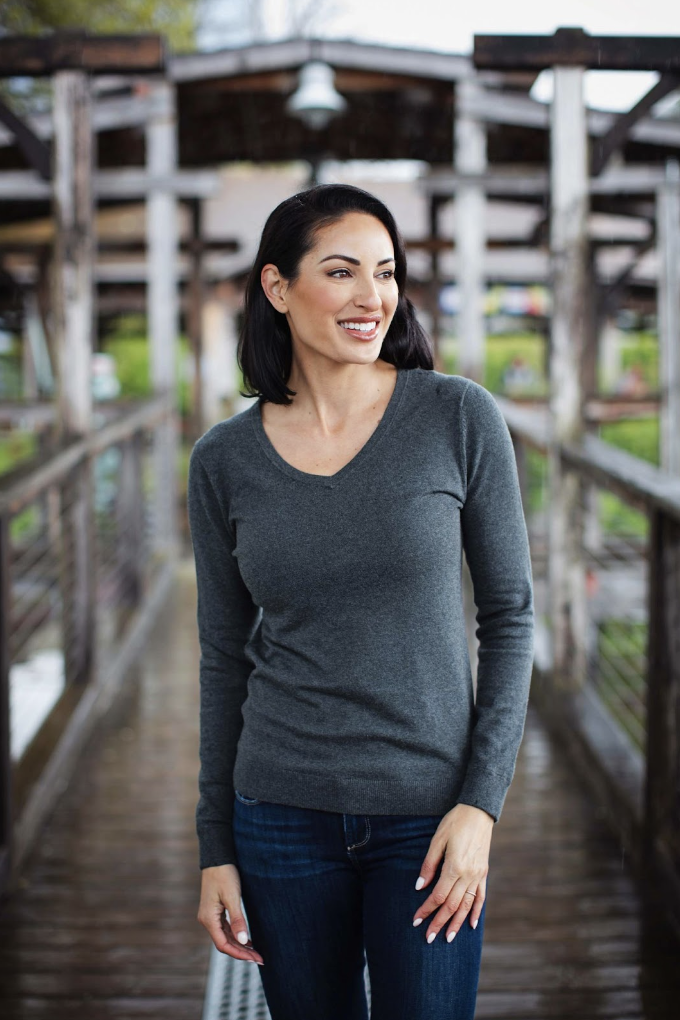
(443, 25)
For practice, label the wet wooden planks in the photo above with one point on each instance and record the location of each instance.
(105, 926)
(567, 934)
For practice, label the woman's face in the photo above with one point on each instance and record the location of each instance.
(347, 278)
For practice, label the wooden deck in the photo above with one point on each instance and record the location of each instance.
(104, 925)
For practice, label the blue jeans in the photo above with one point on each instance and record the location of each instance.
(324, 893)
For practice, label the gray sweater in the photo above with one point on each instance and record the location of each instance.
(334, 669)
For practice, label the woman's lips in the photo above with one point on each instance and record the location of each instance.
(362, 334)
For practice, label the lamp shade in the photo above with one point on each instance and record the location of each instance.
(316, 101)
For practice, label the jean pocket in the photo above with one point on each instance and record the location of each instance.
(251, 801)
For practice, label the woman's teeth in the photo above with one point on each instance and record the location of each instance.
(364, 327)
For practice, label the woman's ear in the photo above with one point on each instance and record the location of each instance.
(274, 286)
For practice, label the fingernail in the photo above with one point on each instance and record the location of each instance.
(417, 921)
(242, 937)
(420, 883)
(432, 937)
(474, 923)
(451, 936)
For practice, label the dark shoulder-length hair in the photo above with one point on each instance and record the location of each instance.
(264, 352)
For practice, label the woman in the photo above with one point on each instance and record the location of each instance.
(349, 782)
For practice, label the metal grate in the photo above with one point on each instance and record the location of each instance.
(234, 990)
(616, 555)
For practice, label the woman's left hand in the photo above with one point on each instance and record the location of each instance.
(464, 837)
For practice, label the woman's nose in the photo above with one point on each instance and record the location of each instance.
(367, 296)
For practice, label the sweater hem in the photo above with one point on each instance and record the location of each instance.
(416, 795)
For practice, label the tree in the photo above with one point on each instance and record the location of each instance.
(175, 19)
(243, 22)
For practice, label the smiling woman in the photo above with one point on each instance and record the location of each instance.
(345, 764)
(329, 245)
(353, 292)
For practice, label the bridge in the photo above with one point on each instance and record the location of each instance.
(98, 646)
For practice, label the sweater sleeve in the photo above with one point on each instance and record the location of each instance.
(226, 619)
(496, 548)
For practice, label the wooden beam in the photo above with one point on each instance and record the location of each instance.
(434, 206)
(573, 47)
(24, 186)
(569, 269)
(503, 182)
(163, 306)
(74, 157)
(37, 56)
(194, 315)
(470, 154)
(33, 148)
(7, 807)
(123, 246)
(661, 830)
(605, 146)
(523, 111)
(668, 233)
(74, 249)
(611, 291)
(107, 115)
(289, 53)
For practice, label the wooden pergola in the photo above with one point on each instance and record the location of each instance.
(130, 122)
(582, 172)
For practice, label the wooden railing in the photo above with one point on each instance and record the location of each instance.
(620, 716)
(86, 557)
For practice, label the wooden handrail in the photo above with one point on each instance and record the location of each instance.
(21, 486)
(637, 481)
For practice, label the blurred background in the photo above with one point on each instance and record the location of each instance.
(531, 156)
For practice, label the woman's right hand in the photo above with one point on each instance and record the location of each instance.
(220, 889)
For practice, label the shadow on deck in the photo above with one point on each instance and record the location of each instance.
(104, 922)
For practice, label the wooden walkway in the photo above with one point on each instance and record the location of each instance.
(105, 926)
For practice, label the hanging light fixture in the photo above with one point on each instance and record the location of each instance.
(316, 101)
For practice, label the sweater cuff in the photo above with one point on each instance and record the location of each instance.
(486, 790)
(216, 846)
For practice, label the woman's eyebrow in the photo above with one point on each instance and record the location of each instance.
(354, 262)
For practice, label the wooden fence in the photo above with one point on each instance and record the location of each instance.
(620, 716)
(86, 558)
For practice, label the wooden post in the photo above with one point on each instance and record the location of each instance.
(569, 266)
(668, 233)
(6, 791)
(661, 830)
(74, 249)
(162, 304)
(73, 316)
(470, 214)
(435, 203)
(130, 530)
(194, 315)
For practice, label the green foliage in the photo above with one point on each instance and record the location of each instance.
(131, 354)
(16, 447)
(501, 350)
(175, 19)
(639, 436)
(642, 349)
(619, 518)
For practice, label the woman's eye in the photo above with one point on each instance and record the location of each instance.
(388, 273)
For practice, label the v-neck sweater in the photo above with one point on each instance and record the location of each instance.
(334, 669)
